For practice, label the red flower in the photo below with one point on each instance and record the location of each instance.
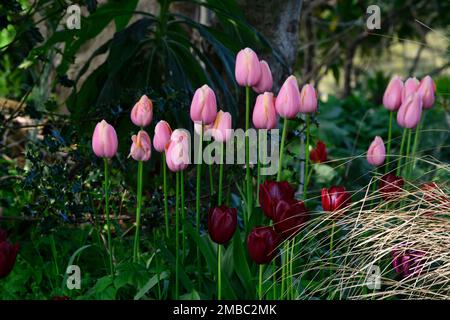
(222, 223)
(290, 216)
(270, 193)
(262, 243)
(335, 198)
(319, 154)
(390, 186)
(8, 254)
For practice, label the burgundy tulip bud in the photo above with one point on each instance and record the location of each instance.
(392, 98)
(8, 254)
(335, 199)
(390, 186)
(290, 217)
(222, 223)
(271, 192)
(318, 154)
(262, 243)
(408, 262)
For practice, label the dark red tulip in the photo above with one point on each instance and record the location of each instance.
(335, 198)
(290, 216)
(222, 223)
(408, 262)
(319, 153)
(262, 243)
(271, 192)
(390, 186)
(8, 254)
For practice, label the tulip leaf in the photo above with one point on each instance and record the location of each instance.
(150, 284)
(241, 262)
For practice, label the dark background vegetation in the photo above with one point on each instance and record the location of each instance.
(56, 84)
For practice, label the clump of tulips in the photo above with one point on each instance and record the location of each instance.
(286, 215)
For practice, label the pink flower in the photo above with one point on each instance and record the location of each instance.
(308, 99)
(221, 130)
(427, 89)
(104, 140)
(142, 112)
(411, 86)
(265, 82)
(264, 113)
(141, 148)
(248, 68)
(410, 111)
(177, 150)
(288, 102)
(162, 135)
(392, 98)
(377, 152)
(204, 105)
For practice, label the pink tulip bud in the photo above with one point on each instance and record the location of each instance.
(411, 86)
(427, 89)
(377, 152)
(104, 140)
(162, 135)
(177, 151)
(141, 148)
(142, 112)
(264, 113)
(288, 102)
(265, 82)
(392, 98)
(308, 99)
(221, 130)
(248, 69)
(410, 111)
(204, 105)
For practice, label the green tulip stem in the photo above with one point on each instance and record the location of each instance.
(408, 146)
(177, 236)
(258, 173)
(248, 177)
(220, 175)
(108, 221)
(211, 180)
(219, 272)
(305, 183)
(399, 163)
(388, 154)
(198, 191)
(331, 245)
(183, 214)
(138, 212)
(283, 138)
(260, 294)
(166, 205)
(416, 143)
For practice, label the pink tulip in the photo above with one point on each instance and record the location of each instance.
(410, 111)
(204, 105)
(392, 98)
(221, 130)
(377, 152)
(248, 68)
(104, 140)
(142, 112)
(411, 86)
(162, 135)
(177, 151)
(265, 82)
(308, 99)
(264, 113)
(427, 89)
(141, 148)
(288, 102)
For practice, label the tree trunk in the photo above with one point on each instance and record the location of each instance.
(279, 22)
